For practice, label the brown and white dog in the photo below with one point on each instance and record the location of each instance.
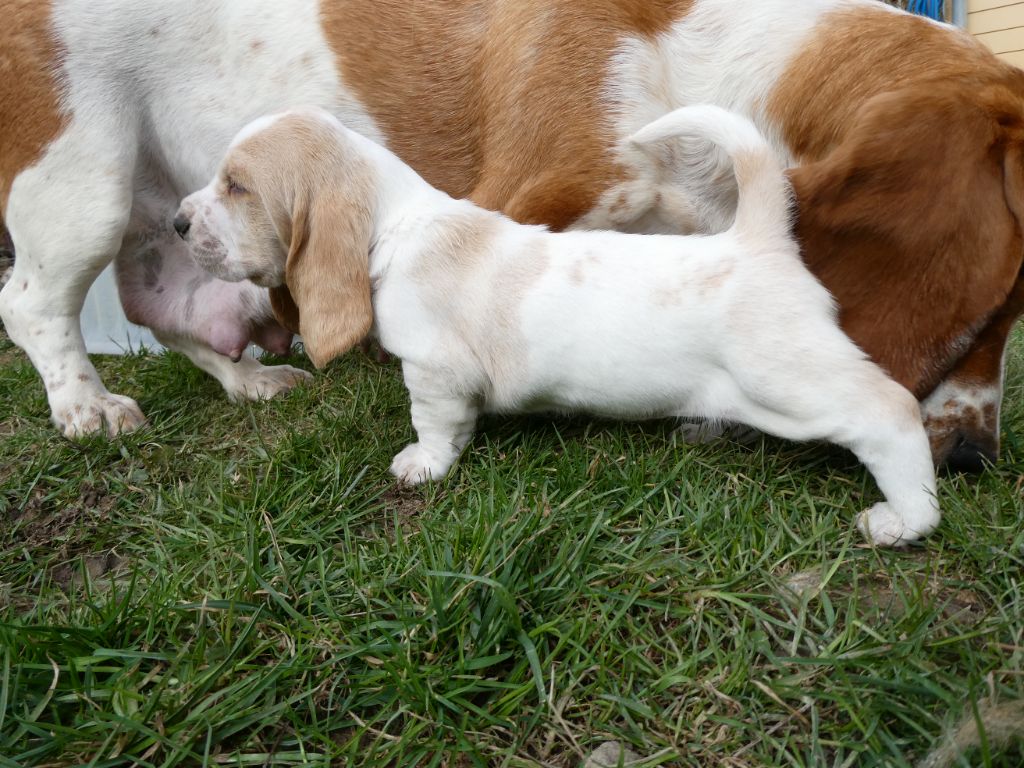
(906, 135)
(490, 315)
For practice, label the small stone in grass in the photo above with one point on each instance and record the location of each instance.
(610, 755)
(805, 583)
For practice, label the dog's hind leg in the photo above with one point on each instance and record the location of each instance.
(67, 215)
(828, 390)
(891, 442)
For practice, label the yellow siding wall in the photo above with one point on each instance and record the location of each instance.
(1000, 25)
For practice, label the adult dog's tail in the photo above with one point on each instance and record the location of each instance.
(763, 209)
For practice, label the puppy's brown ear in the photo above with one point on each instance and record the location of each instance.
(327, 276)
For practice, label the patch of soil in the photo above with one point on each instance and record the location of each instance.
(62, 533)
(878, 597)
(405, 502)
(9, 355)
(881, 598)
(70, 575)
(61, 527)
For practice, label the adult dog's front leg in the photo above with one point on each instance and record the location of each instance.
(66, 216)
(41, 317)
(443, 422)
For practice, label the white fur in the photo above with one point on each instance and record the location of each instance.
(731, 54)
(208, 214)
(543, 321)
(154, 92)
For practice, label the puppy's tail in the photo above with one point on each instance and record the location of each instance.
(765, 195)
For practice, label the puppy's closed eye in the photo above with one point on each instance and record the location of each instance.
(234, 188)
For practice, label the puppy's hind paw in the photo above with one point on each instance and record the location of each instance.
(414, 465)
(885, 527)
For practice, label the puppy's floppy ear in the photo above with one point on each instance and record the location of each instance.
(326, 297)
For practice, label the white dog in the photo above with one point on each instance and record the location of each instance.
(489, 314)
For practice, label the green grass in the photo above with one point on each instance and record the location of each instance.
(245, 585)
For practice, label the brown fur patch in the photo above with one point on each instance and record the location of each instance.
(30, 114)
(984, 361)
(496, 74)
(715, 280)
(507, 352)
(462, 244)
(705, 282)
(852, 56)
(415, 67)
(981, 366)
(902, 182)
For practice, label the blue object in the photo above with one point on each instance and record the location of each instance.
(933, 9)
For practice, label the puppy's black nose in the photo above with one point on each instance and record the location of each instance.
(182, 225)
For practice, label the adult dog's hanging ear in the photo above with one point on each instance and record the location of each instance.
(327, 297)
(908, 221)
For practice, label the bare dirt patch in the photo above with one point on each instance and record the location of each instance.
(60, 535)
(43, 521)
(878, 596)
(8, 428)
(405, 502)
(72, 574)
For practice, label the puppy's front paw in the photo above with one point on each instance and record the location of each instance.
(885, 527)
(414, 465)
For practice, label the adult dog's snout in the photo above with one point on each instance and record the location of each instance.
(971, 456)
(182, 224)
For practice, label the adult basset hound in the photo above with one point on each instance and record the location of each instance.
(905, 136)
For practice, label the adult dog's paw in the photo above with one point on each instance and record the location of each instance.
(102, 413)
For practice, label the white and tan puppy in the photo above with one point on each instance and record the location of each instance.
(487, 314)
